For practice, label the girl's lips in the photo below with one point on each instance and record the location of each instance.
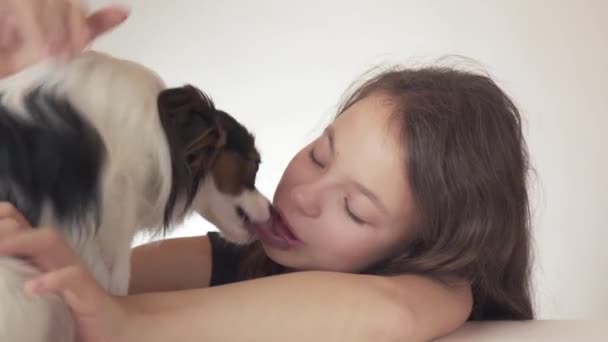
(287, 228)
(277, 233)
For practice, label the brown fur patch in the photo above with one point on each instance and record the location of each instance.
(202, 152)
(232, 172)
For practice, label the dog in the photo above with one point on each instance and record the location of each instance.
(102, 149)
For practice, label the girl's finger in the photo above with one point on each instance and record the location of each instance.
(79, 32)
(84, 29)
(45, 247)
(24, 44)
(25, 244)
(32, 25)
(76, 286)
(57, 30)
(105, 20)
(10, 37)
(7, 210)
(8, 227)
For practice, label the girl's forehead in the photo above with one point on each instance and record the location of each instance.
(369, 120)
(369, 151)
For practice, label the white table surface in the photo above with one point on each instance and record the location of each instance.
(554, 331)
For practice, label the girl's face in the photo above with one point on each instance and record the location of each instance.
(345, 197)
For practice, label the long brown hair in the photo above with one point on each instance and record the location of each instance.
(467, 163)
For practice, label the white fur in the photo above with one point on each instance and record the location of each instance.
(210, 201)
(119, 98)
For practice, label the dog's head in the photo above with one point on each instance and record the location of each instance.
(215, 163)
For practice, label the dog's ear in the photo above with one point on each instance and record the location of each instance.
(191, 123)
(182, 105)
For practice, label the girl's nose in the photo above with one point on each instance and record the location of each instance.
(306, 200)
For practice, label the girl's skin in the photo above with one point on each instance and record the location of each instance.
(345, 196)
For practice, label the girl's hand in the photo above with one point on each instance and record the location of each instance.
(99, 316)
(31, 30)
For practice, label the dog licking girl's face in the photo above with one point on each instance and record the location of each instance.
(216, 162)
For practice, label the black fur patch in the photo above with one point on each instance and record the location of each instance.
(184, 115)
(186, 112)
(55, 157)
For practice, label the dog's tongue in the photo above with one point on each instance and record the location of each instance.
(267, 231)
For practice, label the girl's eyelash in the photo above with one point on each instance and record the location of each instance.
(314, 159)
(351, 214)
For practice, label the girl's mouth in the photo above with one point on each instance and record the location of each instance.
(277, 233)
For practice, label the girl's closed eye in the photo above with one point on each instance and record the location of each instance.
(317, 162)
(351, 214)
(314, 158)
(322, 152)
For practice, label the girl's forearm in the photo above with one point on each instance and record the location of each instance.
(303, 306)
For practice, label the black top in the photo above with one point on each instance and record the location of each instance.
(225, 258)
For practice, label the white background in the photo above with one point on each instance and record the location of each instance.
(281, 67)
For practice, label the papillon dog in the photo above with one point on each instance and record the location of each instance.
(101, 149)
